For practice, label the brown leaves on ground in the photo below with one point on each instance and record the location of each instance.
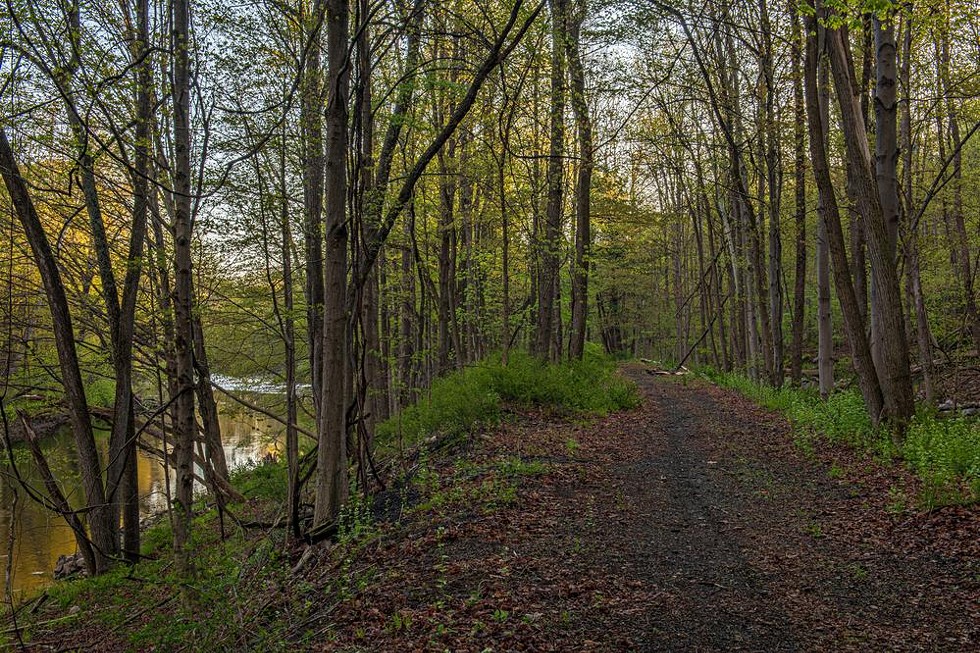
(690, 523)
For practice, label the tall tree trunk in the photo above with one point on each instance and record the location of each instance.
(332, 487)
(583, 187)
(956, 221)
(101, 528)
(886, 153)
(185, 426)
(799, 172)
(554, 180)
(289, 344)
(830, 214)
(448, 354)
(311, 129)
(825, 332)
(923, 332)
(374, 402)
(859, 263)
(774, 184)
(894, 373)
(124, 424)
(121, 353)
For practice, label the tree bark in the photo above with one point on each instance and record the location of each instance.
(961, 243)
(830, 213)
(332, 487)
(770, 133)
(583, 186)
(799, 172)
(185, 425)
(311, 129)
(923, 332)
(554, 180)
(894, 373)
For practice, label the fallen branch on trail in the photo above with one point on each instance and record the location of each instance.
(659, 370)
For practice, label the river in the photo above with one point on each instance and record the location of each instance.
(40, 536)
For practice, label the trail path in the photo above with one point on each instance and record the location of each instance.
(691, 523)
(756, 547)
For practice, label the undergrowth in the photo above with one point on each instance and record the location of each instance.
(943, 452)
(473, 398)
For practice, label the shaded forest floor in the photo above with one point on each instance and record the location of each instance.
(693, 522)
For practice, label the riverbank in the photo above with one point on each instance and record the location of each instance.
(44, 423)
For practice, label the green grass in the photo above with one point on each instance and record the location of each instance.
(471, 399)
(944, 453)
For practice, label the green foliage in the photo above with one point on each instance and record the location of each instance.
(456, 404)
(101, 392)
(470, 399)
(944, 453)
(842, 418)
(587, 386)
(231, 572)
(514, 466)
(73, 592)
(267, 480)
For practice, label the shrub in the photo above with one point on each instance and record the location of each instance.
(467, 400)
(945, 453)
(101, 392)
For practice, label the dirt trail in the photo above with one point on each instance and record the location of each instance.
(754, 546)
(691, 523)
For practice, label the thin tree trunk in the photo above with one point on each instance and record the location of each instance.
(311, 128)
(101, 528)
(554, 180)
(185, 426)
(289, 344)
(774, 185)
(956, 220)
(583, 188)
(922, 330)
(799, 171)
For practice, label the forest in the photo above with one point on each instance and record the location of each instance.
(459, 255)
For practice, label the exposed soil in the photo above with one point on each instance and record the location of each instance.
(691, 523)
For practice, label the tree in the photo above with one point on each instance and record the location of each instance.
(583, 184)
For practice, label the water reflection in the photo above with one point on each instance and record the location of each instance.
(41, 536)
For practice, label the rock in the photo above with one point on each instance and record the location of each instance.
(75, 609)
(972, 410)
(69, 565)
